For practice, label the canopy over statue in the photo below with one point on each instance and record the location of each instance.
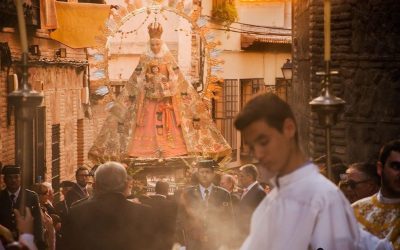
(158, 114)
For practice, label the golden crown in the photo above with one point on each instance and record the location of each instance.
(155, 30)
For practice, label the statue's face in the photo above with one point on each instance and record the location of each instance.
(155, 45)
(154, 69)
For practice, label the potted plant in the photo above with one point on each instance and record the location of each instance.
(224, 13)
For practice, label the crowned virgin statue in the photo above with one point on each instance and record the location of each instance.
(158, 114)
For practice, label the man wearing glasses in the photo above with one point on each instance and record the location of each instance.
(380, 214)
(360, 180)
(78, 191)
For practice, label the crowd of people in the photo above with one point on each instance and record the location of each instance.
(285, 202)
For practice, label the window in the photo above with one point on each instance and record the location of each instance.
(39, 142)
(248, 88)
(281, 88)
(225, 110)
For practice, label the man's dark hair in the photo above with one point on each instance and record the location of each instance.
(93, 169)
(337, 170)
(250, 169)
(338, 167)
(67, 184)
(79, 169)
(162, 187)
(268, 107)
(217, 179)
(386, 149)
(369, 169)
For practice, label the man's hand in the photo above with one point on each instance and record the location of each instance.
(24, 224)
(6, 234)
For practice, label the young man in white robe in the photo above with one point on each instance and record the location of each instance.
(304, 210)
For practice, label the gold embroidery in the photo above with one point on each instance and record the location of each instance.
(382, 220)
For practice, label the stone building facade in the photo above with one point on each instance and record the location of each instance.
(366, 51)
(63, 133)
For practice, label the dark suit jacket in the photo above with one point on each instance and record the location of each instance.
(246, 207)
(75, 194)
(235, 197)
(7, 218)
(61, 209)
(205, 226)
(107, 222)
(165, 212)
(49, 209)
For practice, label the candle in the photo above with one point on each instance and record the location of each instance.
(15, 82)
(327, 30)
(21, 26)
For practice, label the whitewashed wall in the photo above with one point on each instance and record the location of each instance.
(242, 65)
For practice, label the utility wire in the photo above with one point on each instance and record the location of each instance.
(252, 25)
(249, 32)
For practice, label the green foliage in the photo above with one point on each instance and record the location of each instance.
(225, 13)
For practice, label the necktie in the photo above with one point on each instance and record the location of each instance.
(66, 206)
(12, 197)
(14, 223)
(206, 194)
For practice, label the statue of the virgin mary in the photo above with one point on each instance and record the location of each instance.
(158, 114)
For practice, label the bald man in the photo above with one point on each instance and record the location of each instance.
(108, 220)
(228, 182)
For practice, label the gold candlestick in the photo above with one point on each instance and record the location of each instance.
(327, 105)
(25, 102)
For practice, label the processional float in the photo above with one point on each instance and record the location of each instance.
(159, 121)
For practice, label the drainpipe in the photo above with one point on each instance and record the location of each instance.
(287, 14)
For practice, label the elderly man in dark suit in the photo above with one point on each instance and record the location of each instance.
(205, 212)
(165, 211)
(108, 220)
(252, 195)
(78, 191)
(228, 182)
(10, 199)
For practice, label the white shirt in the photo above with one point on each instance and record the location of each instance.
(248, 188)
(16, 194)
(203, 189)
(383, 199)
(305, 211)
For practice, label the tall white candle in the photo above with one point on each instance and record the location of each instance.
(21, 26)
(15, 82)
(327, 30)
